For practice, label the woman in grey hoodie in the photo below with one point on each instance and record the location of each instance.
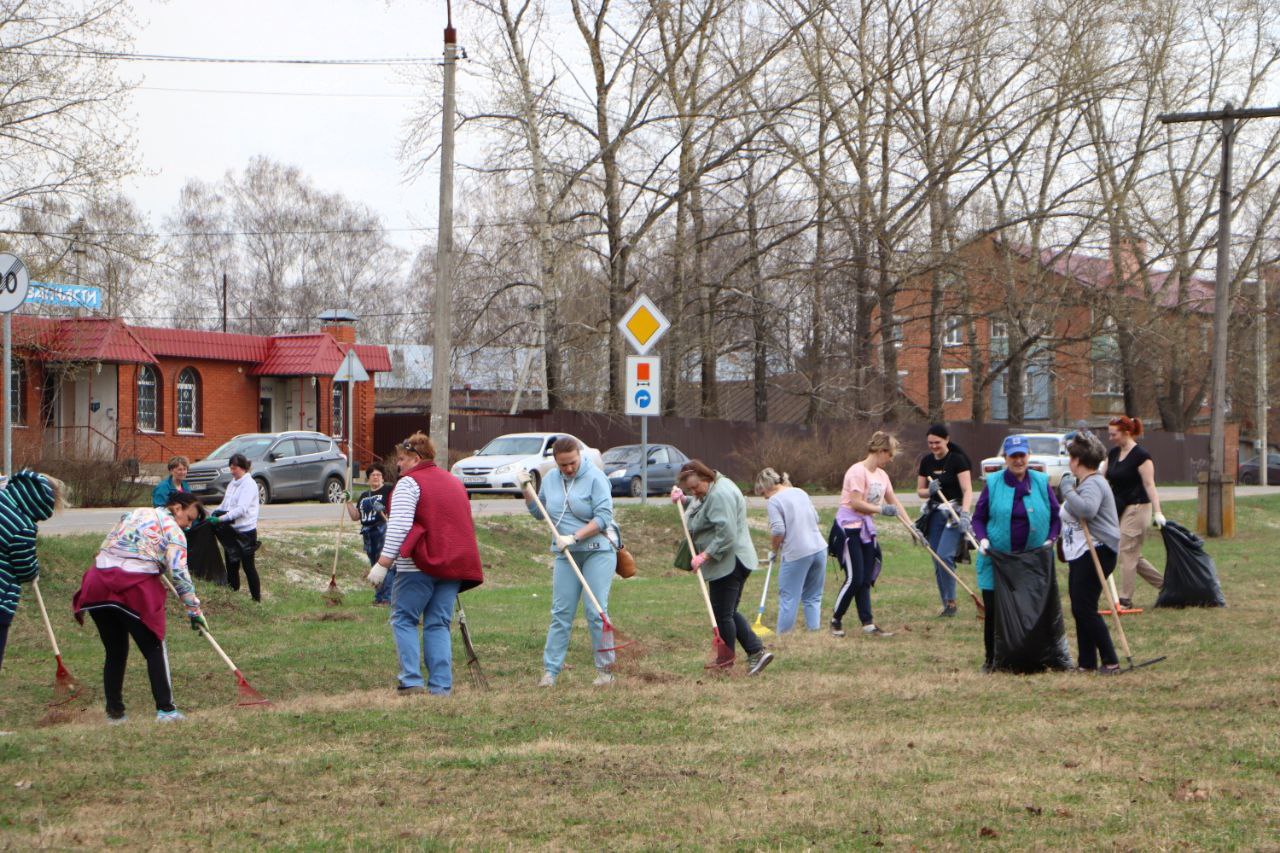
(1087, 497)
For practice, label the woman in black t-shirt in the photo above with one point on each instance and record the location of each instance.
(1132, 475)
(945, 474)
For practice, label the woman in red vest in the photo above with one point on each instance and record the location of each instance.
(431, 541)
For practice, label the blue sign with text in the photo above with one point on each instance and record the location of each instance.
(64, 295)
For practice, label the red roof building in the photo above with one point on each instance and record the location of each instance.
(100, 388)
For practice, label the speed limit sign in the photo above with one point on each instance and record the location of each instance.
(14, 280)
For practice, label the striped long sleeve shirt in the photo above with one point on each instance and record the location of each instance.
(26, 499)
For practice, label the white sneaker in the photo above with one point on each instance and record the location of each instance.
(602, 679)
(548, 680)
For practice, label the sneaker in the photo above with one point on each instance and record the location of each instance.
(115, 721)
(757, 662)
(1109, 669)
(416, 690)
(1126, 603)
(947, 612)
(601, 680)
(873, 630)
(836, 629)
(173, 716)
(548, 680)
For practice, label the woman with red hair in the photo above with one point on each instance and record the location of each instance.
(1132, 475)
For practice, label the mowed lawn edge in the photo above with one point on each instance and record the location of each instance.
(849, 743)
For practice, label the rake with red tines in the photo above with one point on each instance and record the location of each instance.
(615, 647)
(65, 685)
(333, 595)
(248, 696)
(721, 654)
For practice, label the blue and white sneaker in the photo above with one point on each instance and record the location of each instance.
(174, 716)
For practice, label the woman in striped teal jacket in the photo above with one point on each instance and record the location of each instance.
(26, 499)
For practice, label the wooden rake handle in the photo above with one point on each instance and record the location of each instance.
(568, 556)
(44, 615)
(941, 563)
(217, 648)
(702, 584)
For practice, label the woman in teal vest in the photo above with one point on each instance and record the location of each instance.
(1017, 511)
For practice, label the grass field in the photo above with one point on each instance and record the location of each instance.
(842, 743)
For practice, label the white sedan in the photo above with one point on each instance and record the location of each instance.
(1048, 455)
(493, 469)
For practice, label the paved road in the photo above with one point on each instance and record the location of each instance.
(279, 516)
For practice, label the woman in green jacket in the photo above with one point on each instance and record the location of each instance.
(717, 517)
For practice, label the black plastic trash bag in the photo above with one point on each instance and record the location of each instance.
(204, 557)
(1031, 635)
(1190, 578)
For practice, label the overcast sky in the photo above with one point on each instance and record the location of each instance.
(341, 125)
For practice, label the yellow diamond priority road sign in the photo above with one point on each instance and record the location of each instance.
(643, 325)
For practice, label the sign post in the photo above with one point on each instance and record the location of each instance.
(643, 325)
(14, 281)
(351, 371)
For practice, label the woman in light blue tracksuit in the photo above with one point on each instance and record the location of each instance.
(578, 498)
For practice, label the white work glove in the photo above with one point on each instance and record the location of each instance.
(564, 541)
(984, 546)
(889, 509)
(1158, 519)
(523, 480)
(966, 522)
(377, 574)
(1067, 484)
(935, 486)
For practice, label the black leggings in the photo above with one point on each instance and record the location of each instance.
(4, 638)
(989, 625)
(116, 627)
(241, 554)
(725, 594)
(1092, 637)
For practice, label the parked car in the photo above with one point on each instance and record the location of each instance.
(622, 466)
(1048, 454)
(286, 466)
(1248, 471)
(492, 470)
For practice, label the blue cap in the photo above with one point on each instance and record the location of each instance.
(1015, 444)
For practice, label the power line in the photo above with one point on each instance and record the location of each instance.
(282, 94)
(231, 60)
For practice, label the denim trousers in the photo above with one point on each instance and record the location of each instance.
(800, 582)
(373, 539)
(597, 567)
(423, 600)
(944, 538)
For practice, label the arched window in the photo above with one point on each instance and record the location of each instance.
(148, 399)
(17, 392)
(338, 427)
(188, 401)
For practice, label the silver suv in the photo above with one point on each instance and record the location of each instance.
(286, 466)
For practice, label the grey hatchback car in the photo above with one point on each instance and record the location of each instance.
(286, 466)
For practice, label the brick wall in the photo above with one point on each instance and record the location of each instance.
(227, 405)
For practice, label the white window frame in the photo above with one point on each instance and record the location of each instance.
(148, 372)
(187, 411)
(999, 330)
(895, 330)
(956, 395)
(953, 332)
(17, 390)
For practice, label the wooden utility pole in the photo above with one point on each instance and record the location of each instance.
(1260, 344)
(1228, 115)
(442, 343)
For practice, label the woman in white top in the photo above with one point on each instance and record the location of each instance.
(798, 543)
(239, 509)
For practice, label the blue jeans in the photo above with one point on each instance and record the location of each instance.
(373, 539)
(597, 567)
(422, 599)
(944, 538)
(801, 581)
